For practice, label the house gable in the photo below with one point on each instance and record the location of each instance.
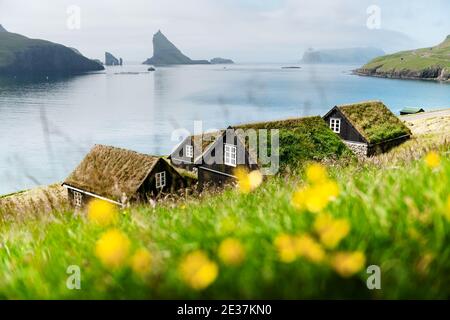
(214, 157)
(347, 131)
(173, 181)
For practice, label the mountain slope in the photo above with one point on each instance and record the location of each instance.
(166, 53)
(345, 55)
(20, 55)
(427, 63)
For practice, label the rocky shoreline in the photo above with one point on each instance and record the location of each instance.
(438, 74)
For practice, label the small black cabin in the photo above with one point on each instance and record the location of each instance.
(121, 176)
(368, 127)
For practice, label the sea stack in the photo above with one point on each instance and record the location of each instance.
(22, 56)
(166, 53)
(110, 60)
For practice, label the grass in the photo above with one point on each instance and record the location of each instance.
(374, 121)
(414, 60)
(396, 211)
(302, 139)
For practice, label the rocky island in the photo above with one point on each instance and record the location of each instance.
(345, 55)
(424, 64)
(219, 60)
(166, 53)
(110, 60)
(22, 56)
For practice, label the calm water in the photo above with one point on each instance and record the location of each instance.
(46, 127)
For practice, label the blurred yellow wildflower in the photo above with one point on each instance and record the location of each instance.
(331, 231)
(347, 264)
(316, 173)
(307, 247)
(231, 252)
(102, 213)
(141, 262)
(112, 248)
(315, 198)
(197, 270)
(432, 159)
(286, 247)
(248, 181)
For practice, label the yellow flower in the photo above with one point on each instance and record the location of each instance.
(331, 231)
(347, 264)
(141, 262)
(112, 248)
(102, 213)
(316, 173)
(197, 270)
(432, 159)
(315, 198)
(231, 252)
(307, 247)
(248, 182)
(286, 247)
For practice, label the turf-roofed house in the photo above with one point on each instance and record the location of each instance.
(121, 176)
(192, 149)
(255, 146)
(367, 128)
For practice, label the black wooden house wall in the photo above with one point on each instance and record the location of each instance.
(347, 132)
(211, 172)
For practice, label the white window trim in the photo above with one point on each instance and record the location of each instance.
(77, 199)
(189, 151)
(230, 155)
(335, 125)
(160, 179)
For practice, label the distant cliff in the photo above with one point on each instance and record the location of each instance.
(346, 55)
(221, 61)
(20, 55)
(110, 60)
(165, 53)
(426, 64)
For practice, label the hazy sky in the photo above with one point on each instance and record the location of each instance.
(244, 30)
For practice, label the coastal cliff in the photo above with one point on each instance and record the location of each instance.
(22, 56)
(424, 64)
(166, 53)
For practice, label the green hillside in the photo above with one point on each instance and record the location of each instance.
(20, 55)
(427, 63)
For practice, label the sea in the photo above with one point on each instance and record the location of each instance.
(47, 125)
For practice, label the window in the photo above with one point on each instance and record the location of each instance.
(189, 151)
(230, 155)
(77, 199)
(335, 125)
(161, 179)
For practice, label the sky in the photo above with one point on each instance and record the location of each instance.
(243, 30)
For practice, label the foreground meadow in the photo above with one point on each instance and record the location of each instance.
(310, 233)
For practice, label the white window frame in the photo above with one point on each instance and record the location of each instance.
(160, 179)
(77, 199)
(189, 151)
(230, 155)
(335, 125)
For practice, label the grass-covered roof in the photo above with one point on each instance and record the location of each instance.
(302, 139)
(374, 121)
(111, 172)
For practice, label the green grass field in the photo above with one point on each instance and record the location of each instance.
(397, 207)
(414, 60)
